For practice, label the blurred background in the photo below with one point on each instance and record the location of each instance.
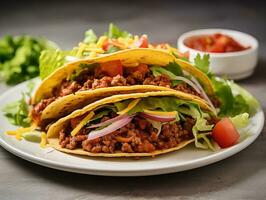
(66, 21)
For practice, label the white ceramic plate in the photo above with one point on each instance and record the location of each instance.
(184, 159)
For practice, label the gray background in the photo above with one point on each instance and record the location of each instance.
(243, 176)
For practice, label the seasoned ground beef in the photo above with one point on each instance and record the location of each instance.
(87, 80)
(138, 136)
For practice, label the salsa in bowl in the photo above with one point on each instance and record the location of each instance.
(232, 53)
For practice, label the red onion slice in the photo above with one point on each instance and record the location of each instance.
(205, 96)
(109, 121)
(157, 118)
(189, 82)
(109, 129)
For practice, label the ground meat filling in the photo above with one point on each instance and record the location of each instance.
(138, 136)
(87, 80)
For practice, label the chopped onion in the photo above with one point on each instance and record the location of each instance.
(205, 96)
(158, 118)
(109, 121)
(109, 129)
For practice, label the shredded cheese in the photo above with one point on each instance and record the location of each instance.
(101, 41)
(43, 140)
(18, 133)
(82, 123)
(93, 54)
(81, 48)
(96, 50)
(174, 113)
(131, 105)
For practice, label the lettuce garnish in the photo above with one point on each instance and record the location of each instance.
(234, 99)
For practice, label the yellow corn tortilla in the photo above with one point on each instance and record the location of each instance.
(54, 143)
(69, 103)
(53, 131)
(128, 57)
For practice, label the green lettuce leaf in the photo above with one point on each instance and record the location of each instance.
(251, 101)
(115, 32)
(90, 37)
(50, 60)
(234, 99)
(241, 120)
(17, 112)
(19, 57)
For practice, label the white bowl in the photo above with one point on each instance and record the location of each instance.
(234, 65)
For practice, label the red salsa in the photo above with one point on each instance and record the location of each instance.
(215, 43)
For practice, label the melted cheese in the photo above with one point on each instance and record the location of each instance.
(43, 140)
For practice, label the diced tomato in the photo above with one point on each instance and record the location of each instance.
(143, 42)
(225, 133)
(142, 68)
(105, 45)
(112, 68)
(217, 43)
(182, 55)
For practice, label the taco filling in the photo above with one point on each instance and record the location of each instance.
(141, 125)
(111, 74)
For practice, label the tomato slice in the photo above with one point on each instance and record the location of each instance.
(225, 133)
(112, 68)
(143, 42)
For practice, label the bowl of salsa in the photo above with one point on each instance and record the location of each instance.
(232, 53)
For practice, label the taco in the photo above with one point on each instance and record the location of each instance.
(139, 124)
(132, 70)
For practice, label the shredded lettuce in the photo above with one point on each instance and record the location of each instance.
(240, 121)
(156, 125)
(252, 102)
(90, 37)
(17, 112)
(171, 70)
(201, 128)
(231, 104)
(234, 99)
(115, 32)
(19, 57)
(50, 60)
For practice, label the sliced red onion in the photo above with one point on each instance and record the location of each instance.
(109, 129)
(189, 82)
(205, 96)
(157, 118)
(109, 121)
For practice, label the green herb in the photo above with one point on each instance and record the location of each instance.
(174, 68)
(202, 63)
(19, 57)
(114, 32)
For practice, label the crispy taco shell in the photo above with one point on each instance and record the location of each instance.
(53, 131)
(130, 57)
